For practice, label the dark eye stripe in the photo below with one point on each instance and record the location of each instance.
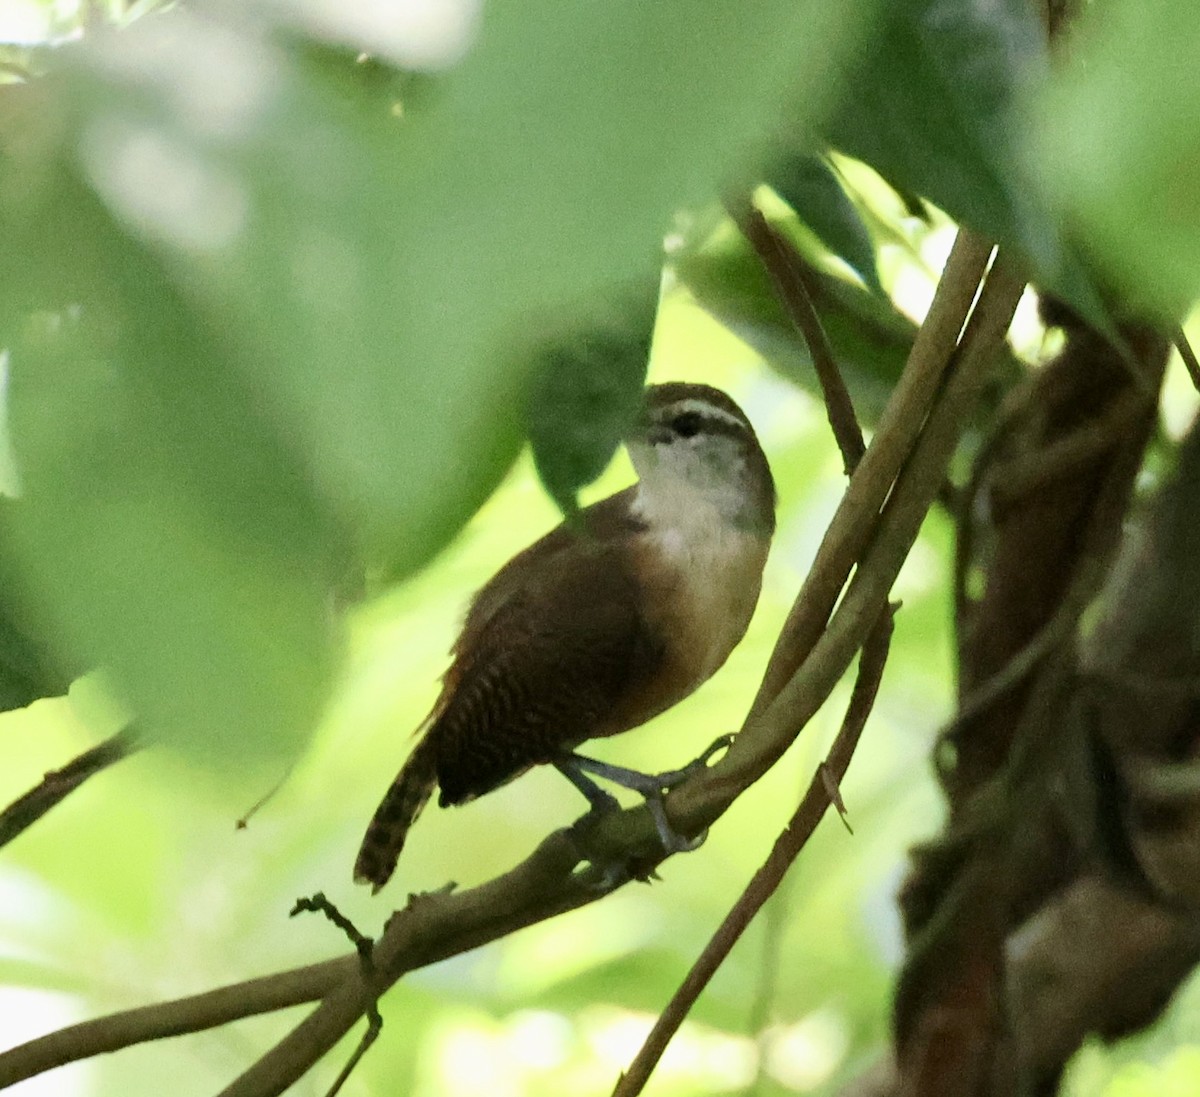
(686, 420)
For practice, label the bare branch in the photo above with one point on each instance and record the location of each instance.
(58, 784)
(365, 948)
(817, 800)
(174, 1018)
(858, 513)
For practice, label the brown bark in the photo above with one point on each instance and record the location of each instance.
(1041, 520)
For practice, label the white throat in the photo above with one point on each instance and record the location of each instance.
(708, 556)
(665, 500)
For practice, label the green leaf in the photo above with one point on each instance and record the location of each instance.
(935, 110)
(811, 187)
(166, 533)
(586, 392)
(1116, 146)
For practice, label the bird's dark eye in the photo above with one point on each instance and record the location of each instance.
(687, 424)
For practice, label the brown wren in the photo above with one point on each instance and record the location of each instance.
(605, 622)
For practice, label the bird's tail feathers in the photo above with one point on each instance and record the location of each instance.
(389, 826)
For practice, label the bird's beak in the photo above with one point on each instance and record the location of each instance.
(657, 434)
(645, 430)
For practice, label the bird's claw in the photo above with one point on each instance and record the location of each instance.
(717, 746)
(672, 840)
(603, 876)
(672, 778)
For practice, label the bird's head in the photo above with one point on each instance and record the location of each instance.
(693, 446)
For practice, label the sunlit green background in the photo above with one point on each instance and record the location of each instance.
(140, 887)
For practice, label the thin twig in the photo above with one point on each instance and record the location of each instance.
(244, 819)
(374, 1028)
(774, 921)
(319, 904)
(783, 266)
(365, 947)
(1188, 355)
(58, 784)
(817, 800)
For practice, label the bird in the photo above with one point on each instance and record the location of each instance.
(614, 616)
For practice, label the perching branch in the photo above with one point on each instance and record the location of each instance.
(858, 513)
(988, 325)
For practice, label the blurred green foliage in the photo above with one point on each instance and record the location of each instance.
(271, 310)
(937, 110)
(1116, 146)
(279, 317)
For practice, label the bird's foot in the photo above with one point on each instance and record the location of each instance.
(650, 786)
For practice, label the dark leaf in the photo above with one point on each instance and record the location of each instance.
(811, 187)
(586, 391)
(935, 110)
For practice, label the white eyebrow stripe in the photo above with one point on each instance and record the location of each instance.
(704, 409)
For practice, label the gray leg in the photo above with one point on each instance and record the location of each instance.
(650, 786)
(647, 784)
(599, 800)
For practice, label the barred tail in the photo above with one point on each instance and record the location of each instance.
(388, 828)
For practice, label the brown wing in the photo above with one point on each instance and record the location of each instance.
(607, 521)
(555, 657)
